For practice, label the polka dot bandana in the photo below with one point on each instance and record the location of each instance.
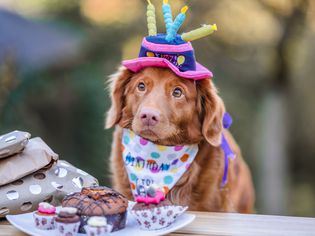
(147, 163)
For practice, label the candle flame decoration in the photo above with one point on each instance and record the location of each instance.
(172, 27)
(184, 9)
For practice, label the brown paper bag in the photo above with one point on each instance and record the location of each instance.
(49, 184)
(35, 156)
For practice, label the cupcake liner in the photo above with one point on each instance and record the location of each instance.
(158, 217)
(67, 229)
(44, 222)
(97, 231)
(117, 221)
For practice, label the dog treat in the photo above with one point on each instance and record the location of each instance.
(99, 201)
(67, 221)
(13, 142)
(151, 191)
(45, 215)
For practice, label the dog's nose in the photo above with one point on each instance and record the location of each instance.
(149, 116)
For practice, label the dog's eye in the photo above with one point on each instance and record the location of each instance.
(177, 92)
(141, 86)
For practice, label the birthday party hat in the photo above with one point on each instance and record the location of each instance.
(171, 50)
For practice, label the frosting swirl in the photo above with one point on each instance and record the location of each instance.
(97, 221)
(46, 208)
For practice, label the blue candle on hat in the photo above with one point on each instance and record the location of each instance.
(167, 14)
(179, 20)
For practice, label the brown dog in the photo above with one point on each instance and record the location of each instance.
(168, 110)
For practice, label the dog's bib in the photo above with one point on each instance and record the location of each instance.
(148, 163)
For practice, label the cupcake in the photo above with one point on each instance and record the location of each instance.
(99, 201)
(45, 215)
(97, 226)
(154, 212)
(67, 221)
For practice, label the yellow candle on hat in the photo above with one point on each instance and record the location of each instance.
(151, 19)
(199, 33)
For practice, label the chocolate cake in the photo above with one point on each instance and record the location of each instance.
(99, 201)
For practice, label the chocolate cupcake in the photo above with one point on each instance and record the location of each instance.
(67, 221)
(154, 212)
(99, 201)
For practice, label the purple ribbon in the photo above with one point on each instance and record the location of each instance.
(228, 153)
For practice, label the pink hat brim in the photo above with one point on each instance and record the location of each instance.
(137, 64)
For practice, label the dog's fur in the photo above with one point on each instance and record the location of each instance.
(195, 117)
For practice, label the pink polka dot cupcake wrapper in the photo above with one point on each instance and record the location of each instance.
(98, 231)
(159, 217)
(44, 222)
(67, 229)
(148, 163)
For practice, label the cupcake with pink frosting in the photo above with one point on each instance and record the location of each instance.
(45, 216)
(153, 211)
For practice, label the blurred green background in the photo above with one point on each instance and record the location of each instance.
(56, 55)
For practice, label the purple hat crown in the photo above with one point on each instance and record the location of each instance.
(180, 54)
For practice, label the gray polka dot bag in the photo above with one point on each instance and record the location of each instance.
(35, 175)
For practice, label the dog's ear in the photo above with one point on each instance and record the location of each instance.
(117, 85)
(211, 110)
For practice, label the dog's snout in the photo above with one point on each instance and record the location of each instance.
(149, 116)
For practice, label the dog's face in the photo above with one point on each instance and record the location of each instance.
(164, 108)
